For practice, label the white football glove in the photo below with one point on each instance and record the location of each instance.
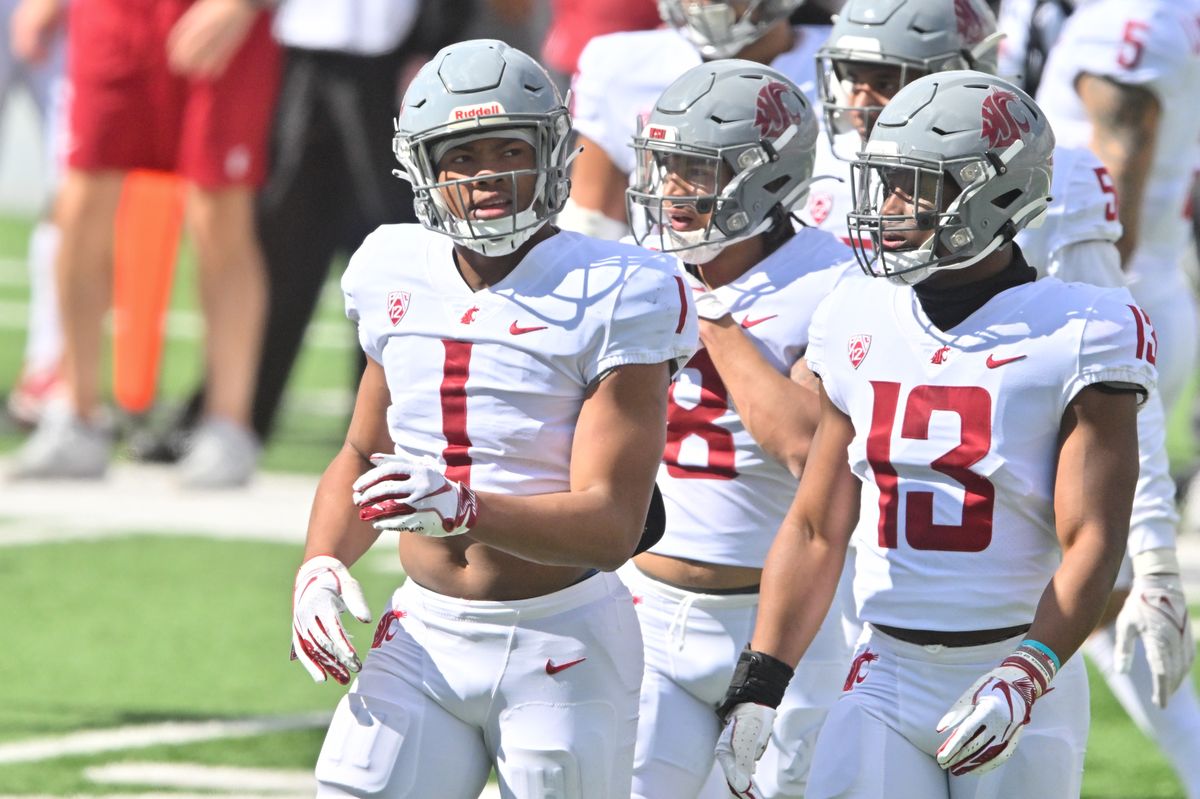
(708, 305)
(743, 740)
(412, 495)
(324, 589)
(988, 718)
(1157, 612)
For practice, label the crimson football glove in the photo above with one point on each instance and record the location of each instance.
(987, 720)
(412, 495)
(1157, 612)
(324, 590)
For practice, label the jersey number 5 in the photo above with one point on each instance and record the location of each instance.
(973, 405)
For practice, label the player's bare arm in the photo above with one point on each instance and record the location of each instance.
(323, 588)
(1125, 123)
(619, 439)
(1096, 474)
(779, 413)
(799, 580)
(805, 560)
(334, 527)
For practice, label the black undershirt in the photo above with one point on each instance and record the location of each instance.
(947, 307)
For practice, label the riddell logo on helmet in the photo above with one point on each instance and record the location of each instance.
(473, 111)
(1000, 127)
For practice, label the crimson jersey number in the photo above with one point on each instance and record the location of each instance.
(700, 421)
(973, 405)
(456, 368)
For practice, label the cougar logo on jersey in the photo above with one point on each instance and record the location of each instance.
(773, 116)
(970, 26)
(397, 305)
(859, 346)
(1000, 127)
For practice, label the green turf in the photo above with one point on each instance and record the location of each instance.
(147, 628)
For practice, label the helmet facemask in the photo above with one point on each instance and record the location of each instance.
(677, 186)
(546, 133)
(717, 28)
(938, 195)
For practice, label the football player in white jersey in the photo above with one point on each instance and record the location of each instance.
(992, 420)
(1073, 243)
(507, 429)
(873, 50)
(721, 161)
(1122, 80)
(622, 74)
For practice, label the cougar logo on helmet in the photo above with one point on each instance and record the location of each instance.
(1000, 127)
(773, 116)
(970, 25)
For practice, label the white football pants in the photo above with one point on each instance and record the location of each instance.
(544, 689)
(692, 642)
(880, 741)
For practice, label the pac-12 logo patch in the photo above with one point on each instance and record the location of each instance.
(397, 305)
(859, 346)
(820, 205)
(1000, 127)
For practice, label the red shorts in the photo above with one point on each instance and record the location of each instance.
(129, 111)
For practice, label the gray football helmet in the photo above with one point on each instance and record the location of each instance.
(720, 29)
(971, 153)
(918, 37)
(474, 88)
(739, 138)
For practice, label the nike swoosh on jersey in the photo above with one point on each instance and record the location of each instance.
(749, 323)
(553, 669)
(517, 330)
(993, 362)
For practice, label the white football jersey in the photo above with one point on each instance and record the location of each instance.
(1150, 43)
(829, 200)
(490, 383)
(725, 496)
(622, 75)
(1083, 207)
(956, 438)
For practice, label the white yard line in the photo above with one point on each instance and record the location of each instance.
(139, 736)
(197, 777)
(273, 783)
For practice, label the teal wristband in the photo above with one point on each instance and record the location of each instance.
(1045, 650)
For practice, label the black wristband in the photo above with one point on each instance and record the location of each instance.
(757, 678)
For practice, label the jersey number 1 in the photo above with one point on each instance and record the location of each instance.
(973, 405)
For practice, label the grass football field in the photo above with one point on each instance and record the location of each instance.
(148, 662)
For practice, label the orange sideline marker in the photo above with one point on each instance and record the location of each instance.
(148, 226)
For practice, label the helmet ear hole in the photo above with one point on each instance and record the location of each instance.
(1006, 199)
